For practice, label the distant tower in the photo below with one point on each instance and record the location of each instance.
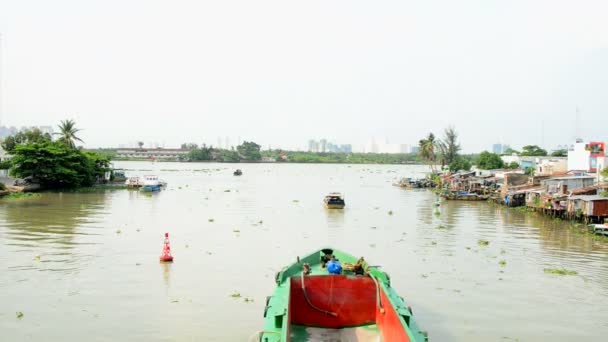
(577, 127)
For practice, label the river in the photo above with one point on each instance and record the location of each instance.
(84, 266)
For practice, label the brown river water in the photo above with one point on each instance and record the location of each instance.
(84, 266)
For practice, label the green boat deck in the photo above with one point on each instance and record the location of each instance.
(278, 326)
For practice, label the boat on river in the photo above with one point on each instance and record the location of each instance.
(134, 182)
(600, 229)
(152, 183)
(334, 200)
(238, 172)
(330, 295)
(464, 196)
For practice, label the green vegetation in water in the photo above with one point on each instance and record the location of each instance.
(236, 230)
(248, 300)
(441, 226)
(437, 213)
(87, 189)
(560, 271)
(433, 243)
(502, 263)
(19, 314)
(235, 295)
(390, 212)
(211, 220)
(21, 196)
(483, 242)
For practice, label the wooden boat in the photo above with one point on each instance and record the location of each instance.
(334, 200)
(134, 182)
(238, 172)
(464, 196)
(600, 229)
(330, 295)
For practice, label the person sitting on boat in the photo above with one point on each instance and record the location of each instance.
(333, 266)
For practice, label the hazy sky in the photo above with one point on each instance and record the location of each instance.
(281, 72)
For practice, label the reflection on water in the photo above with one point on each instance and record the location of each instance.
(166, 268)
(49, 229)
(231, 234)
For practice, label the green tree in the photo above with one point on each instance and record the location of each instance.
(67, 133)
(529, 171)
(426, 150)
(449, 146)
(489, 161)
(560, 153)
(533, 151)
(459, 163)
(229, 156)
(512, 165)
(56, 165)
(249, 150)
(510, 152)
(200, 154)
(24, 137)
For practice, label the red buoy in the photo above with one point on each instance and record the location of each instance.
(166, 256)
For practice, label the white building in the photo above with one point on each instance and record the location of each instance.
(588, 157)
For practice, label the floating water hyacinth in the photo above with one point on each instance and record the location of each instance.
(483, 242)
(560, 271)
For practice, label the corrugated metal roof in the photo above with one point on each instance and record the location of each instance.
(589, 198)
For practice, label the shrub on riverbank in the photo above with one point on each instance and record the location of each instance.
(20, 196)
(57, 165)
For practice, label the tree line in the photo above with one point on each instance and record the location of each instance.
(444, 152)
(54, 163)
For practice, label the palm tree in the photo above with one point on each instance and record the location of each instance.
(427, 150)
(449, 146)
(67, 133)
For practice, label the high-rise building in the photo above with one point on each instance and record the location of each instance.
(497, 148)
(323, 145)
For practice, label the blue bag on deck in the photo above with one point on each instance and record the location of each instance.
(334, 267)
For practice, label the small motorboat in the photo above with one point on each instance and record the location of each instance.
(134, 182)
(238, 172)
(600, 229)
(334, 200)
(330, 295)
(152, 183)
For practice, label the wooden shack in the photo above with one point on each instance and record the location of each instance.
(592, 208)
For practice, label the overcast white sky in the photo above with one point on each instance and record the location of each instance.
(282, 72)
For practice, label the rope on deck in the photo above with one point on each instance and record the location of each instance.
(310, 303)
